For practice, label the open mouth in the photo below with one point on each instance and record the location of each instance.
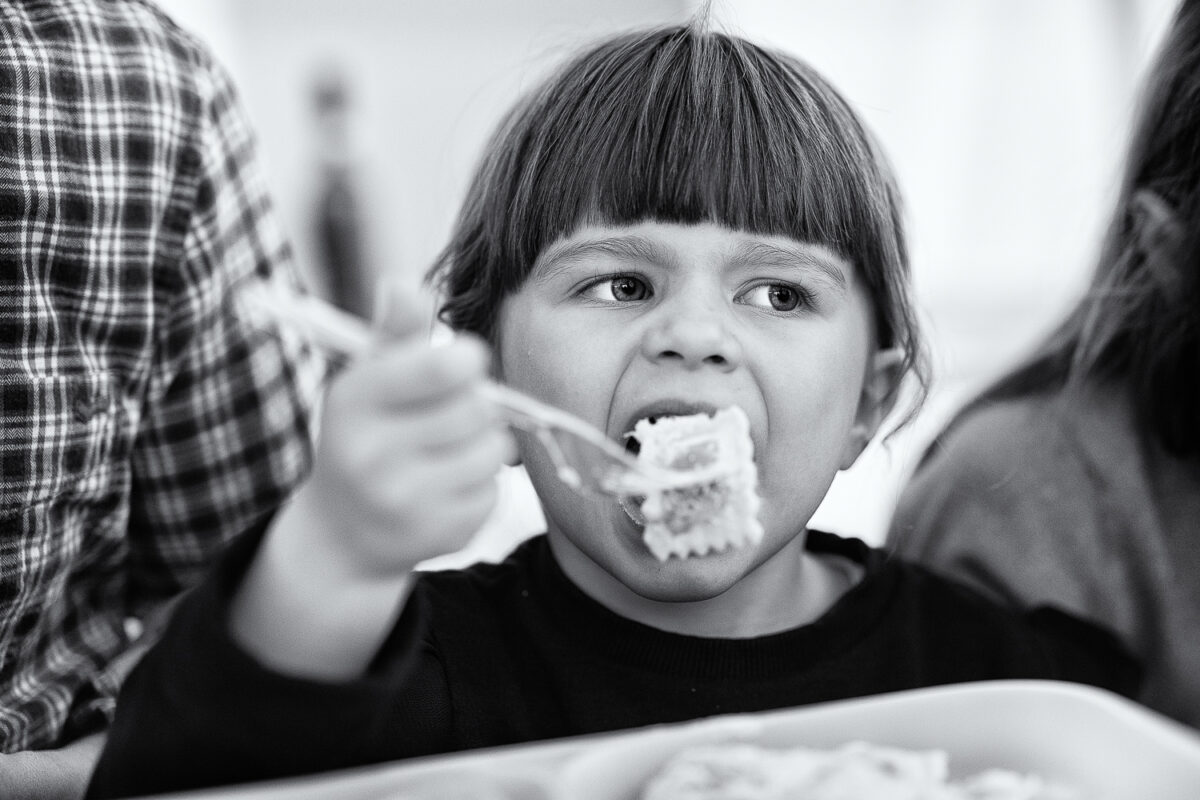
(645, 420)
(716, 511)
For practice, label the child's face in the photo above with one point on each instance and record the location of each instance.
(618, 323)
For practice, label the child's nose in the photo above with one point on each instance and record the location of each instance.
(693, 340)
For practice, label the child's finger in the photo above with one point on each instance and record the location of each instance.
(466, 471)
(468, 466)
(411, 375)
(399, 313)
(449, 425)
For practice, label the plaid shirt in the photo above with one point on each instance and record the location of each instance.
(143, 424)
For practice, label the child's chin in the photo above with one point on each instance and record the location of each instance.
(686, 554)
(691, 579)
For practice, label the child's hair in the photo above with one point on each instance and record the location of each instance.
(1139, 321)
(680, 124)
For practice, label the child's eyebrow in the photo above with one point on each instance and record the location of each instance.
(808, 257)
(626, 248)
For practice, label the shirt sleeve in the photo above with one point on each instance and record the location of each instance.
(198, 711)
(1003, 502)
(224, 429)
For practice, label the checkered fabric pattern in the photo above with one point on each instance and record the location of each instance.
(144, 423)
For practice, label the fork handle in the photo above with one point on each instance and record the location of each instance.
(525, 412)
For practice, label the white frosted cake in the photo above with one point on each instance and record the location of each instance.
(714, 503)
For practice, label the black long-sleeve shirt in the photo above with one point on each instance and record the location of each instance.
(514, 652)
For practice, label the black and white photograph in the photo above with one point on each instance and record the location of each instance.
(600, 399)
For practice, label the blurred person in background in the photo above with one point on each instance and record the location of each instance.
(143, 424)
(337, 219)
(1074, 481)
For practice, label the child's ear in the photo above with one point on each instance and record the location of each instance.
(880, 387)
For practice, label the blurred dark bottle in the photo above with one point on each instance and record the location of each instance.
(338, 229)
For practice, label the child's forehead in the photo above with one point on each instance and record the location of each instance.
(673, 244)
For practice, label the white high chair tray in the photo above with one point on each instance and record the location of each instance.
(1098, 743)
(1103, 745)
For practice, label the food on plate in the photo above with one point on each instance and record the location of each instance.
(855, 771)
(714, 503)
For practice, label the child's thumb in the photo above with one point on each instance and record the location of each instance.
(399, 313)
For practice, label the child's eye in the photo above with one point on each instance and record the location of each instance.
(781, 297)
(619, 288)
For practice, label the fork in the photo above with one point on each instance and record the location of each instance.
(584, 458)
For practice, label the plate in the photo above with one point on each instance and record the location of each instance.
(1107, 747)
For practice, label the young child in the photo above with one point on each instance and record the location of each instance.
(677, 221)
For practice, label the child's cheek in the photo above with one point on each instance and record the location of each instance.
(545, 352)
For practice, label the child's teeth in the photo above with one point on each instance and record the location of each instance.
(633, 507)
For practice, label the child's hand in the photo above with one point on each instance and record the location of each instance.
(405, 469)
(408, 451)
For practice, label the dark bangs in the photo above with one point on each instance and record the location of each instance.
(678, 125)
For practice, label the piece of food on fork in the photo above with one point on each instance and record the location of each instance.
(715, 506)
